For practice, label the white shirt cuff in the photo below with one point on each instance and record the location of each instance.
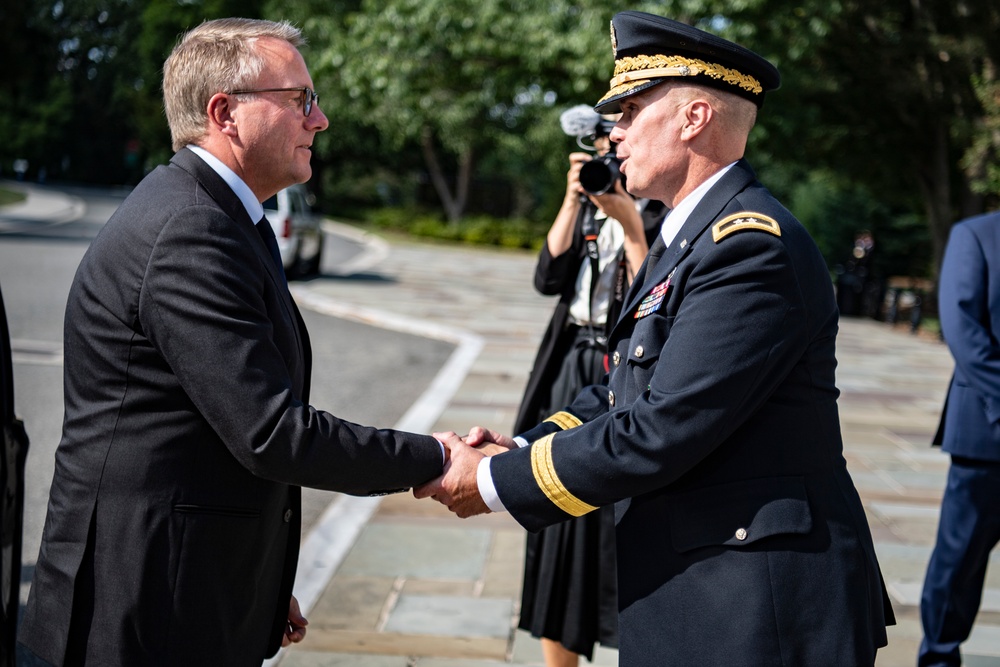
(521, 442)
(484, 479)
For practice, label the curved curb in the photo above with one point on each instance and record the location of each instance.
(374, 249)
(336, 531)
(40, 206)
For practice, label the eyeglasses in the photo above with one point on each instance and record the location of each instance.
(308, 95)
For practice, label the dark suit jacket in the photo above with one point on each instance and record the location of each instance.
(13, 452)
(173, 524)
(969, 306)
(741, 538)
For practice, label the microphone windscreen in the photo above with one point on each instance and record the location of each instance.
(579, 121)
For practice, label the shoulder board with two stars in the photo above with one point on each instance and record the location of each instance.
(744, 220)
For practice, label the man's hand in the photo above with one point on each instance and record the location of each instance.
(295, 631)
(479, 437)
(457, 488)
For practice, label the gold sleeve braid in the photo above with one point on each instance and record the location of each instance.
(548, 481)
(564, 420)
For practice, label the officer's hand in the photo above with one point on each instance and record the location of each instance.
(480, 437)
(457, 488)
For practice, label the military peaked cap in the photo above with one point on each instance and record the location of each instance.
(650, 49)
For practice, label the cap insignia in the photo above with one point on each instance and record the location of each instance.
(614, 41)
(744, 220)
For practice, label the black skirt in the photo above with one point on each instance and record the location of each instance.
(570, 591)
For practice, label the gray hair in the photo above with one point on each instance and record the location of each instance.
(214, 57)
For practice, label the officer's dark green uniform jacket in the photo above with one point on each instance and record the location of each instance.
(741, 537)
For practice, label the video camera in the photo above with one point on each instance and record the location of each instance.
(600, 174)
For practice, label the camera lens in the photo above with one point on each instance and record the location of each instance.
(600, 175)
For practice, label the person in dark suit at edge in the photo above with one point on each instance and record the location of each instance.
(741, 539)
(14, 441)
(592, 251)
(173, 523)
(969, 525)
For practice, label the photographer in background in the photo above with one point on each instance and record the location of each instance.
(597, 242)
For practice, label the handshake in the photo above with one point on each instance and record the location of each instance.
(458, 486)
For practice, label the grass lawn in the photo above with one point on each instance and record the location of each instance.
(9, 196)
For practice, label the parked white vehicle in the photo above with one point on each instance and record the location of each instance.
(300, 238)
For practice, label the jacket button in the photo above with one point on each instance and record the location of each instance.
(741, 534)
(288, 516)
(639, 351)
(611, 398)
(616, 357)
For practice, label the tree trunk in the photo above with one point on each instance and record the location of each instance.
(454, 205)
(935, 186)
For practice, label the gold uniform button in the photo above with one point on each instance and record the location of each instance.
(741, 534)
(639, 351)
(616, 357)
(611, 398)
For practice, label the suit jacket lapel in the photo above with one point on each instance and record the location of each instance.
(231, 205)
(213, 184)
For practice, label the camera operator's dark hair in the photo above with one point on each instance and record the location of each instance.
(604, 127)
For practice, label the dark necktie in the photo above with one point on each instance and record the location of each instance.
(655, 252)
(266, 233)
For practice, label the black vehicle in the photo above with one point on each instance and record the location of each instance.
(14, 441)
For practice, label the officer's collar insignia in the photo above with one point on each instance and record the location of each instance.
(655, 298)
(744, 220)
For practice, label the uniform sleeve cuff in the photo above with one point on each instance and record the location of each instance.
(488, 492)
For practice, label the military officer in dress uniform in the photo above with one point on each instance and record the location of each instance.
(741, 537)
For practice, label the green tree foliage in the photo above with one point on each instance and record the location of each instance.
(891, 96)
(469, 83)
(889, 106)
(84, 101)
(34, 102)
(982, 160)
(881, 92)
(835, 211)
(66, 88)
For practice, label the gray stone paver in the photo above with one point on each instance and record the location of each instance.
(451, 615)
(416, 551)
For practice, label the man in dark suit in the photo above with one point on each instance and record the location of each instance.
(969, 526)
(13, 451)
(173, 523)
(741, 538)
